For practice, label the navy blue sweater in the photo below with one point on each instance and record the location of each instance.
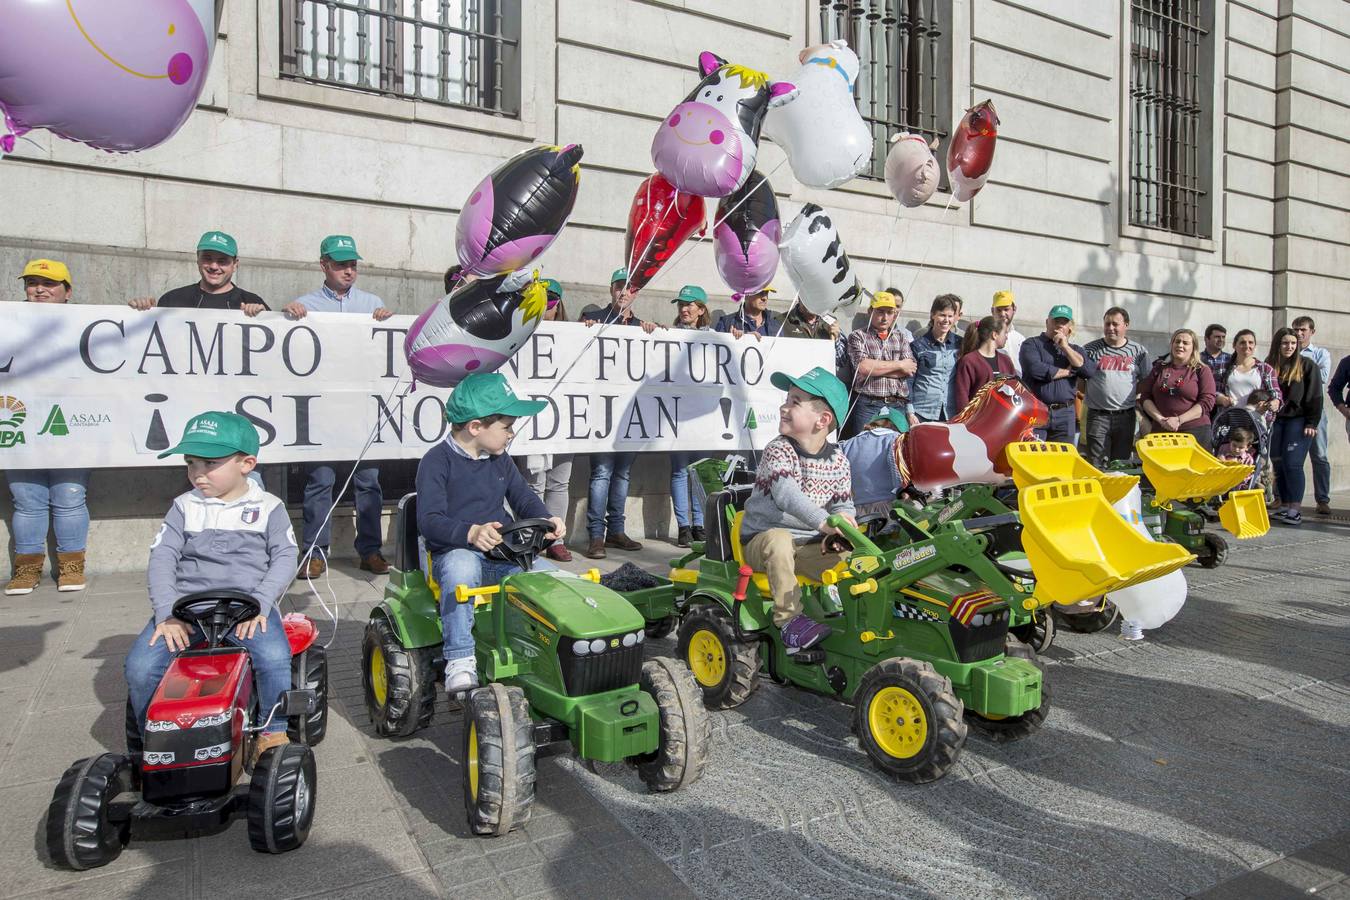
(454, 492)
(1041, 359)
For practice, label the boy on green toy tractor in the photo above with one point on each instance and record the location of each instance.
(559, 657)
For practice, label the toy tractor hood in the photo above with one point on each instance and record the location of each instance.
(575, 607)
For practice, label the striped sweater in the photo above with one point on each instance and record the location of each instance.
(797, 490)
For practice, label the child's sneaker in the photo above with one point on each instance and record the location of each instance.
(1130, 631)
(461, 675)
(803, 633)
(267, 741)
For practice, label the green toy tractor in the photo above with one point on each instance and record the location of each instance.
(560, 658)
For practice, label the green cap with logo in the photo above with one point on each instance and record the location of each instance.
(339, 248)
(552, 286)
(692, 293)
(218, 241)
(214, 434)
(817, 383)
(1061, 312)
(483, 394)
(620, 274)
(896, 417)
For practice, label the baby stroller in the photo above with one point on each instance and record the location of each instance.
(1241, 417)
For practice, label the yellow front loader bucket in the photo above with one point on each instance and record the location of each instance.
(1180, 469)
(1079, 547)
(1244, 514)
(1035, 462)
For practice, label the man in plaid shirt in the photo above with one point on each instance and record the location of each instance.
(882, 363)
(1213, 355)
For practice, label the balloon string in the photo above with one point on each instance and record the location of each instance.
(929, 245)
(628, 269)
(886, 260)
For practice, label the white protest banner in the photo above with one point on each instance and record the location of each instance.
(107, 386)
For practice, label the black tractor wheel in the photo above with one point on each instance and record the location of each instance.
(660, 628)
(499, 759)
(1215, 551)
(80, 834)
(908, 720)
(309, 670)
(281, 799)
(399, 684)
(1099, 617)
(1039, 632)
(686, 729)
(1014, 728)
(726, 669)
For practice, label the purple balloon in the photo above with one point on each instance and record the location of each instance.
(745, 242)
(475, 328)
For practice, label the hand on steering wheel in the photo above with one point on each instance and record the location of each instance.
(522, 541)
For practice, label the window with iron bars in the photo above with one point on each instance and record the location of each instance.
(453, 52)
(904, 55)
(1171, 99)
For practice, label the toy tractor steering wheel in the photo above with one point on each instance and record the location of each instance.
(867, 525)
(216, 613)
(522, 541)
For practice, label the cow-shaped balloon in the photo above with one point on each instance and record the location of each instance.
(813, 254)
(709, 143)
(971, 151)
(826, 140)
(745, 243)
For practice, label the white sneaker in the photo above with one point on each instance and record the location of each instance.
(461, 675)
(1130, 631)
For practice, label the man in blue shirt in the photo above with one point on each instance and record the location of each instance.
(1305, 328)
(1050, 367)
(752, 318)
(338, 259)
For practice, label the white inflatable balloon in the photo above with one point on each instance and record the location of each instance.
(1152, 603)
(814, 257)
(826, 140)
(912, 171)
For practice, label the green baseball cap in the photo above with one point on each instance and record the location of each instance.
(218, 241)
(817, 383)
(339, 248)
(552, 286)
(483, 394)
(620, 274)
(692, 293)
(1061, 312)
(214, 434)
(896, 417)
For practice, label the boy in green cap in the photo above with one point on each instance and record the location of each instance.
(227, 532)
(463, 484)
(802, 480)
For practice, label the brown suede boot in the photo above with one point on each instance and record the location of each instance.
(27, 573)
(70, 571)
(266, 742)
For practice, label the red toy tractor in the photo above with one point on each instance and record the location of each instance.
(183, 774)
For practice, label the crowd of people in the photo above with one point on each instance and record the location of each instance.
(1270, 409)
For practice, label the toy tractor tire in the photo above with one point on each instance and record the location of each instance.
(1039, 632)
(309, 671)
(1014, 728)
(80, 834)
(498, 756)
(399, 684)
(1216, 551)
(660, 628)
(725, 668)
(909, 720)
(1099, 619)
(686, 730)
(281, 799)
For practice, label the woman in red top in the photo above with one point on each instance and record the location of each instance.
(1178, 395)
(981, 359)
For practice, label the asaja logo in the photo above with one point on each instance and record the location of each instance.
(12, 415)
(58, 424)
(55, 424)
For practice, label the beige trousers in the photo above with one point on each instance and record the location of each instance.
(774, 553)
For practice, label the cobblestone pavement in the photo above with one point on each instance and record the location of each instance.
(1209, 758)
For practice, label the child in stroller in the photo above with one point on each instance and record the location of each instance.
(1240, 436)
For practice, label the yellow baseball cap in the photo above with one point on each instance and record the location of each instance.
(47, 268)
(883, 300)
(1002, 299)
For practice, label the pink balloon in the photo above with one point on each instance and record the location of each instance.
(114, 74)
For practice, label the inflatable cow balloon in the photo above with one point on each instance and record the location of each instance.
(745, 241)
(971, 151)
(813, 254)
(708, 144)
(118, 75)
(475, 328)
(826, 140)
(912, 171)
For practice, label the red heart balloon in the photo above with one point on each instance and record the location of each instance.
(660, 220)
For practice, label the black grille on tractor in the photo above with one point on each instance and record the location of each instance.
(614, 667)
(976, 642)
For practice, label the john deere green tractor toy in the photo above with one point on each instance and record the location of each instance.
(560, 658)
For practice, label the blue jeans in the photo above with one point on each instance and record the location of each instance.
(369, 506)
(1321, 466)
(1288, 451)
(1063, 426)
(865, 409)
(35, 491)
(469, 567)
(609, 492)
(269, 650)
(680, 493)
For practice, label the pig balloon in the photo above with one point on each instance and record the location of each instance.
(118, 75)
(708, 144)
(912, 171)
(475, 328)
(745, 243)
(814, 257)
(826, 140)
(971, 151)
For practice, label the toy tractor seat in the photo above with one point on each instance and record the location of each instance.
(718, 513)
(407, 546)
(760, 580)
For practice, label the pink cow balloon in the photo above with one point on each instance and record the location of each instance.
(114, 74)
(708, 144)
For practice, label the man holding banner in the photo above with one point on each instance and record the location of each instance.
(217, 262)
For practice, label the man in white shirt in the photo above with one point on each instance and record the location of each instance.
(1005, 307)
